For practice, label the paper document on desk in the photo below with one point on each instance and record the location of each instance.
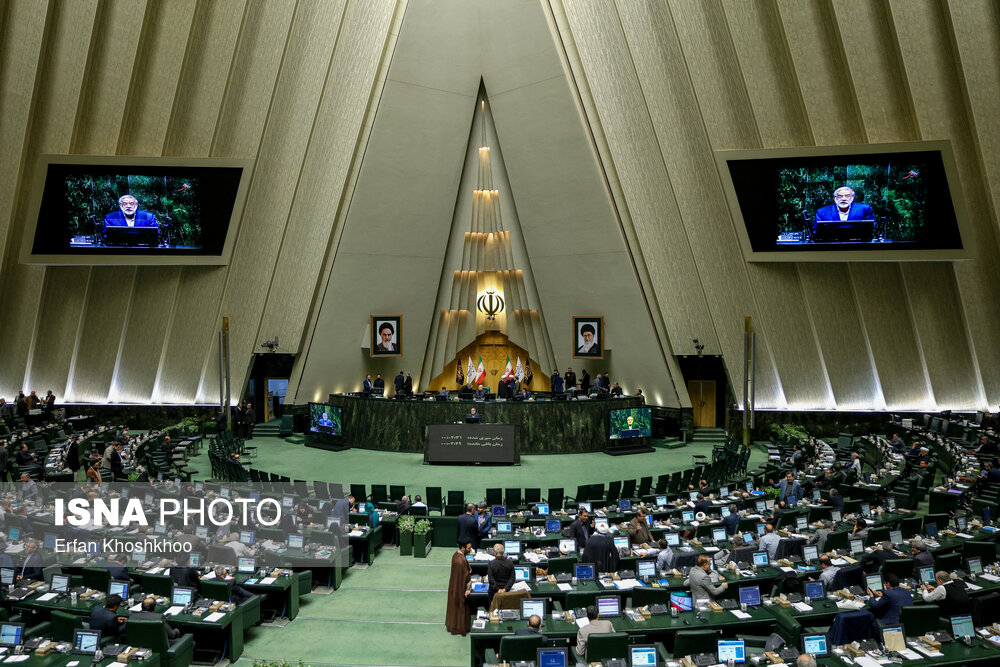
(710, 550)
(990, 577)
(910, 655)
(973, 587)
(742, 615)
(964, 536)
(47, 596)
(580, 622)
(18, 658)
(839, 562)
(929, 652)
(173, 611)
(785, 568)
(865, 661)
(802, 606)
(356, 533)
(212, 618)
(483, 556)
(267, 581)
(521, 586)
(136, 607)
(564, 587)
(627, 584)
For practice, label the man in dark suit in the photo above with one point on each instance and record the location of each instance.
(843, 208)
(886, 604)
(580, 529)
(149, 613)
(499, 572)
(129, 215)
(249, 420)
(835, 501)
(118, 570)
(399, 382)
(379, 383)
(32, 567)
(239, 420)
(570, 379)
(468, 527)
(220, 421)
(366, 386)
(408, 385)
(49, 402)
(106, 618)
(184, 575)
(534, 627)
(72, 459)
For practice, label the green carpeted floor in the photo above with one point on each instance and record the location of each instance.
(393, 612)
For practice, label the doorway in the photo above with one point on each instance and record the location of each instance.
(702, 393)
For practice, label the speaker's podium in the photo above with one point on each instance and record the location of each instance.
(841, 231)
(629, 441)
(132, 236)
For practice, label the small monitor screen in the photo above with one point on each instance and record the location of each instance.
(724, 491)
(681, 601)
(975, 565)
(687, 516)
(649, 519)
(50, 541)
(201, 532)
(14, 534)
(621, 542)
(181, 595)
(626, 423)
(857, 546)
(86, 641)
(891, 503)
(60, 583)
(814, 590)
(543, 509)
(195, 559)
(246, 537)
(927, 575)
(801, 522)
(647, 568)
(725, 512)
(552, 525)
(750, 596)
(582, 505)
(749, 486)
(866, 510)
(295, 541)
(896, 536)
(624, 505)
(118, 588)
(693, 495)
(749, 538)
(499, 510)
(961, 626)
(246, 565)
(503, 526)
(760, 558)
(835, 515)
(11, 634)
(761, 529)
(286, 501)
(810, 552)
(761, 506)
(552, 657)
(532, 607)
(567, 545)
(661, 501)
(961, 522)
(673, 539)
(139, 555)
(719, 534)
(817, 494)
(732, 649)
(522, 573)
(814, 644)
(874, 582)
(6, 576)
(224, 492)
(642, 656)
(325, 419)
(608, 606)
(512, 547)
(583, 571)
(600, 522)
(931, 529)
(160, 528)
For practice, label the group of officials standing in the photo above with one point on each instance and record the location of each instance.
(244, 420)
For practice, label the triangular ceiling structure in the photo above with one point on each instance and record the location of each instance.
(394, 257)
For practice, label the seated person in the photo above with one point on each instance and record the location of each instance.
(32, 566)
(887, 604)
(844, 208)
(473, 417)
(443, 394)
(700, 581)
(129, 215)
(596, 626)
(106, 619)
(149, 613)
(950, 595)
(533, 627)
(183, 575)
(828, 573)
(237, 594)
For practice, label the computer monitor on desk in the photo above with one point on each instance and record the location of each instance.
(609, 606)
(552, 657)
(731, 649)
(503, 526)
(814, 645)
(583, 571)
(814, 590)
(512, 547)
(642, 655)
(532, 607)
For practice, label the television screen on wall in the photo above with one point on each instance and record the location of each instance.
(93, 210)
(873, 202)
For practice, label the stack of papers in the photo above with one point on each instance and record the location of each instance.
(627, 584)
(564, 587)
(266, 581)
(802, 606)
(212, 618)
(740, 614)
(46, 597)
(173, 611)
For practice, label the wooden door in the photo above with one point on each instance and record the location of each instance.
(702, 394)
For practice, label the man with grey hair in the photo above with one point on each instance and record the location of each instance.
(129, 214)
(499, 572)
(922, 558)
(819, 537)
(843, 209)
(805, 660)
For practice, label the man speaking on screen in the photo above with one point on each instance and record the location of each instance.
(129, 215)
(843, 209)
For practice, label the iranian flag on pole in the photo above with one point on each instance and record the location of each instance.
(480, 372)
(471, 373)
(509, 371)
(519, 371)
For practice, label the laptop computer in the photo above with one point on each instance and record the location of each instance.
(86, 642)
(814, 645)
(731, 649)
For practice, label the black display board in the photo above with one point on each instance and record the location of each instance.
(472, 443)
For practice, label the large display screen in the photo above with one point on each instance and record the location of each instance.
(153, 211)
(625, 423)
(325, 419)
(867, 201)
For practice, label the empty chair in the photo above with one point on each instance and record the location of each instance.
(555, 497)
(901, 567)
(434, 500)
(614, 492)
(692, 642)
(512, 497)
(628, 489)
(494, 496)
(920, 619)
(358, 491)
(397, 491)
(948, 562)
(322, 490)
(579, 599)
(852, 626)
(380, 494)
(532, 496)
(519, 647)
(606, 646)
(456, 497)
(645, 484)
(644, 595)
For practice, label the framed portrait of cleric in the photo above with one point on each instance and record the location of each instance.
(588, 337)
(386, 335)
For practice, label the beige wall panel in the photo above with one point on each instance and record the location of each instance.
(332, 147)
(873, 60)
(21, 35)
(813, 40)
(145, 329)
(517, 45)
(108, 295)
(191, 347)
(60, 76)
(154, 81)
(107, 87)
(451, 22)
(937, 312)
(831, 304)
(888, 322)
(62, 298)
(940, 104)
(712, 64)
(207, 63)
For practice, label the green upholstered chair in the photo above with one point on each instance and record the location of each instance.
(214, 590)
(158, 584)
(643, 595)
(64, 624)
(519, 647)
(97, 578)
(692, 642)
(152, 634)
(920, 619)
(607, 645)
(305, 579)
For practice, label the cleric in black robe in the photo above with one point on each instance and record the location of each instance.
(601, 551)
